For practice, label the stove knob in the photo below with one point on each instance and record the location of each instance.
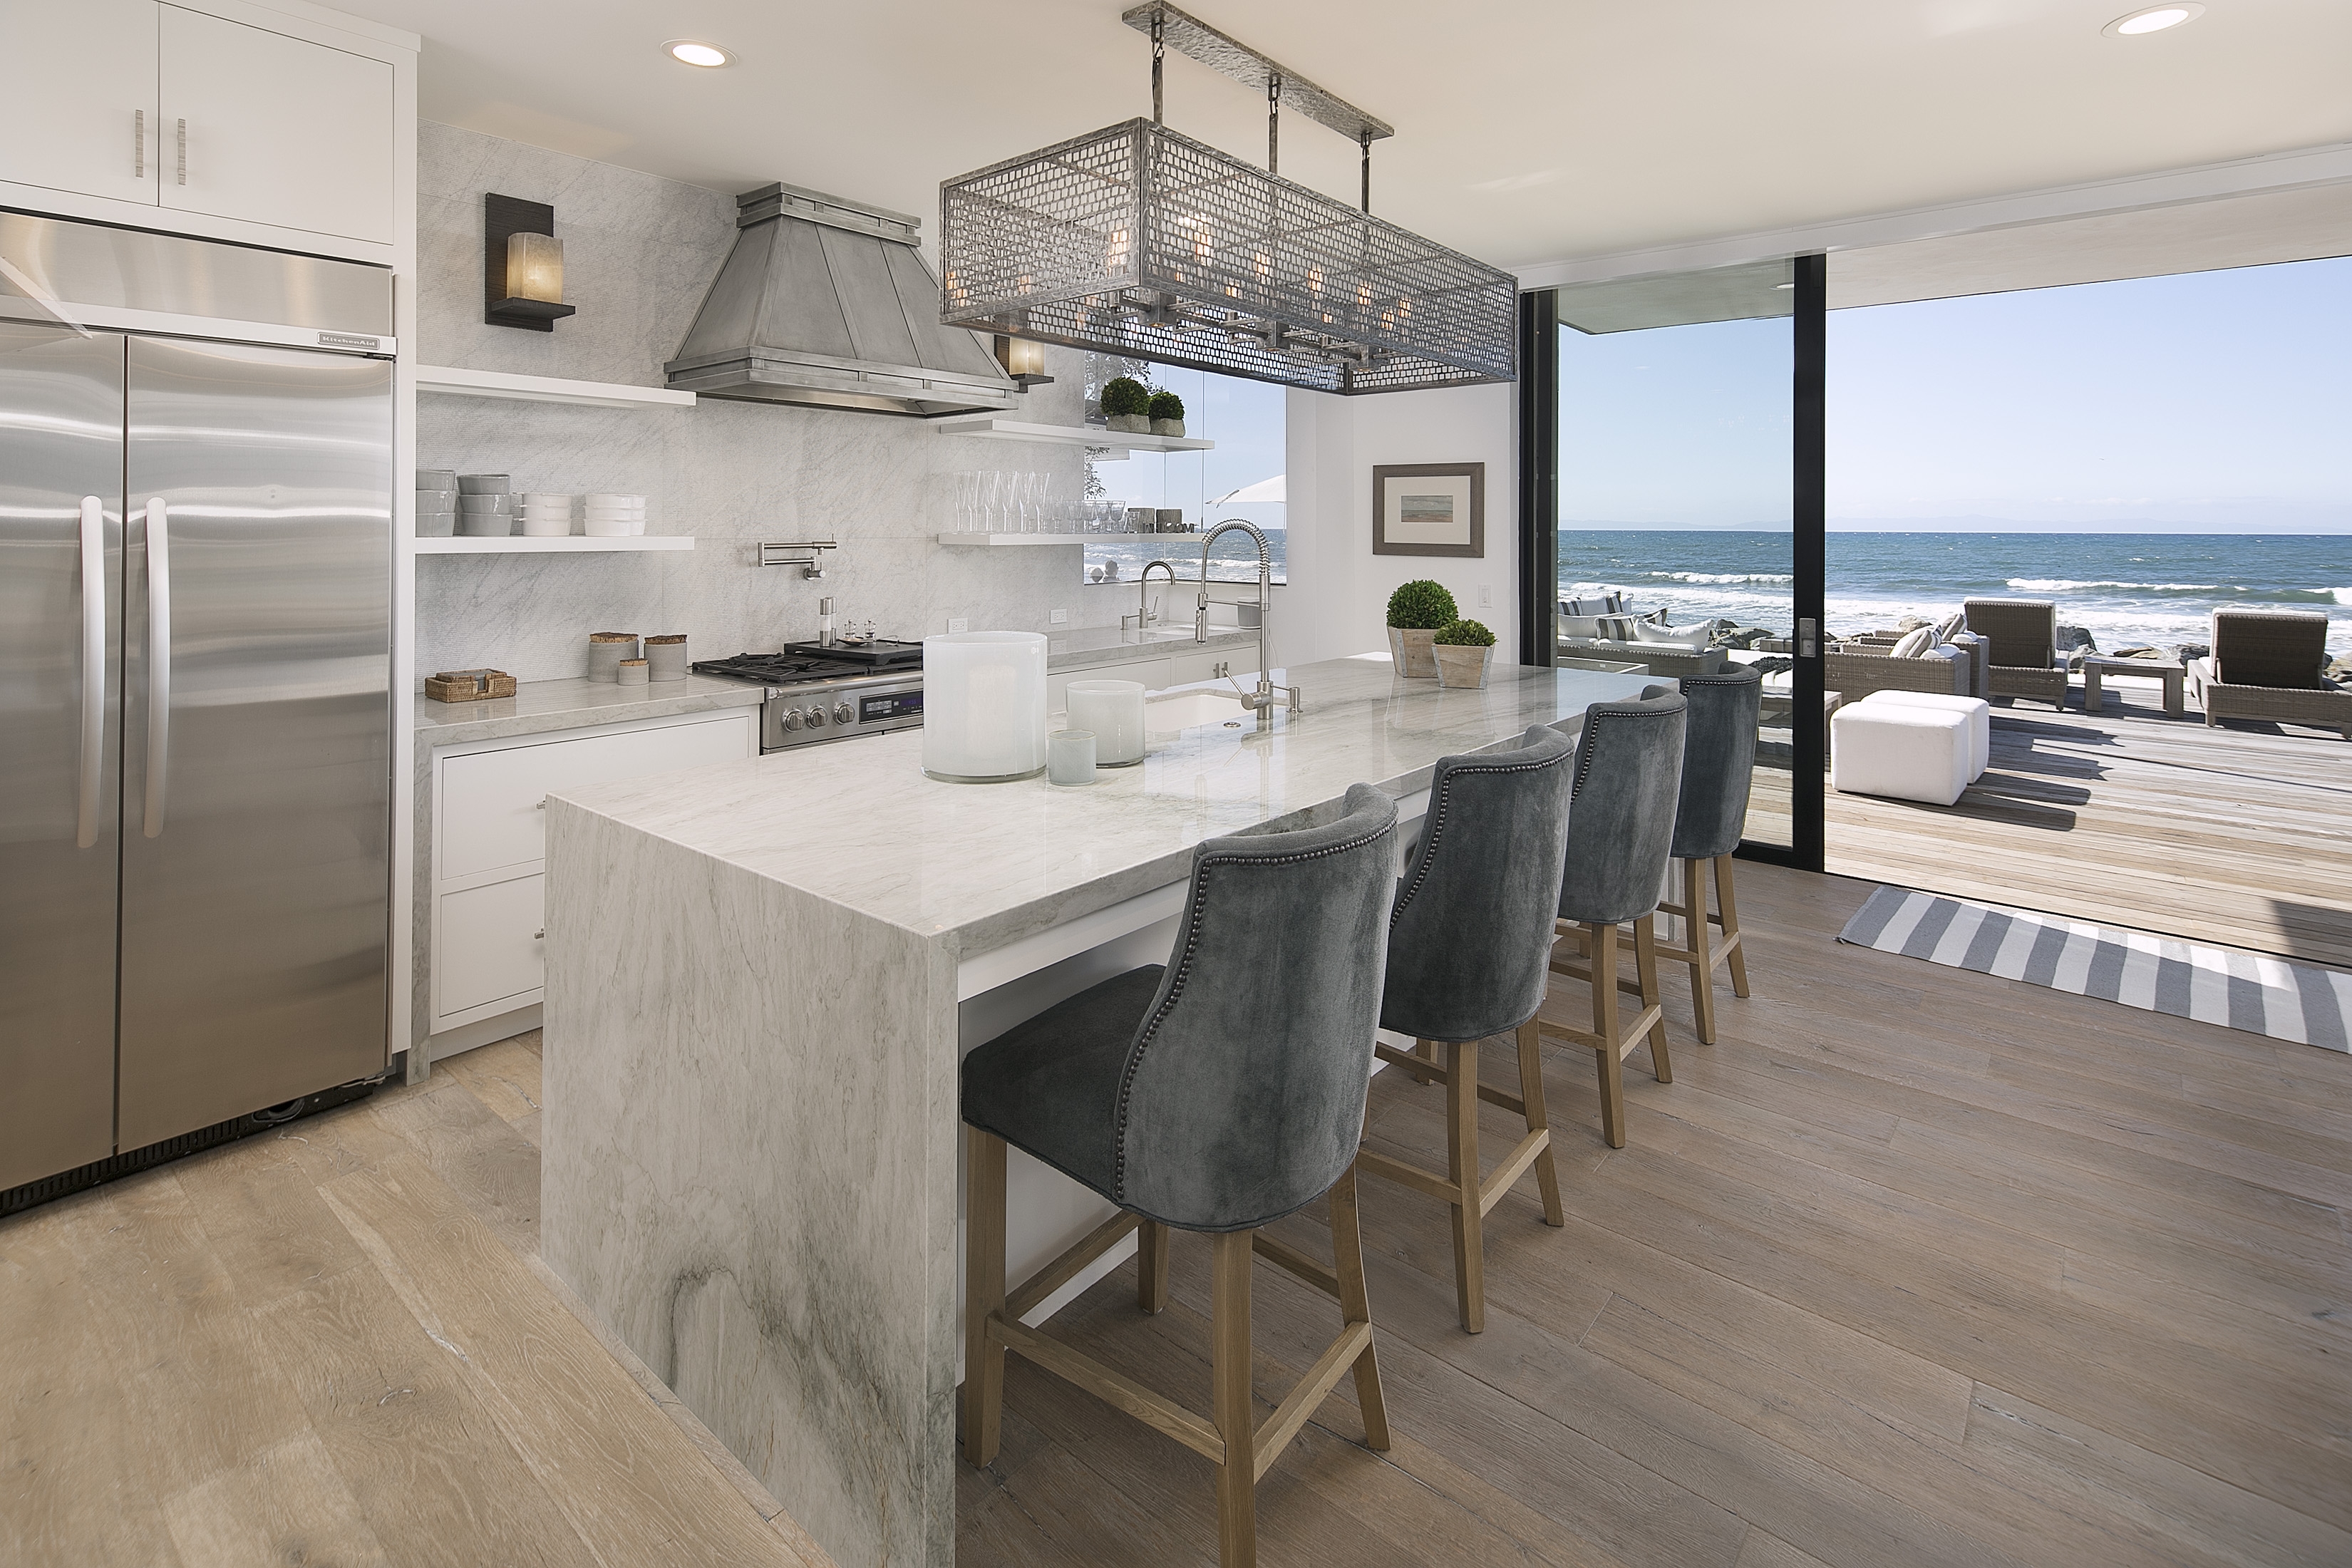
(843, 713)
(792, 719)
(815, 716)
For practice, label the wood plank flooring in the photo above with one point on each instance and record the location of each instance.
(2240, 835)
(1913, 1267)
(336, 1345)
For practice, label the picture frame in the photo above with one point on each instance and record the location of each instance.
(1430, 508)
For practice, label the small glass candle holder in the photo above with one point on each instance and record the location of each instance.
(1070, 757)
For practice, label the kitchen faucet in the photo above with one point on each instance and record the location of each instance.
(1263, 700)
(1143, 615)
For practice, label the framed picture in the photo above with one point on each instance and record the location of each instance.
(1429, 508)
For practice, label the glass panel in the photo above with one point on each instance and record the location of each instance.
(1676, 488)
(1243, 477)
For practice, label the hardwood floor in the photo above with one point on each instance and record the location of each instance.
(1915, 1266)
(2240, 835)
(335, 1345)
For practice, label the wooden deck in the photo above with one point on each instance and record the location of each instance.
(2240, 835)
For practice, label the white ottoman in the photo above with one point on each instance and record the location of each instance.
(1892, 749)
(1979, 715)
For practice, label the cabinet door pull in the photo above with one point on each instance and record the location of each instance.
(138, 143)
(184, 151)
(538, 935)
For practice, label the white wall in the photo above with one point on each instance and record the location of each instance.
(1338, 595)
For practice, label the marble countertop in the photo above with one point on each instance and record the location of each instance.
(978, 865)
(539, 705)
(1115, 645)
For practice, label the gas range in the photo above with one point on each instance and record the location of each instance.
(818, 693)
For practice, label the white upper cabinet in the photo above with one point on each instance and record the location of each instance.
(276, 129)
(77, 92)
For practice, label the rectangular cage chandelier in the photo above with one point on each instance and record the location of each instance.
(1137, 240)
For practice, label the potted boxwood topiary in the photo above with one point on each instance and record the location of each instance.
(1415, 612)
(1127, 405)
(1464, 650)
(1167, 411)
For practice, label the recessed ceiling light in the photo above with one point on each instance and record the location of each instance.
(691, 51)
(2154, 19)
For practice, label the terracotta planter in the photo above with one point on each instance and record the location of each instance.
(1168, 427)
(1410, 648)
(1462, 665)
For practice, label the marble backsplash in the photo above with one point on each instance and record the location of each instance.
(640, 253)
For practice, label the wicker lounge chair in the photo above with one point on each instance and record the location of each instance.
(2265, 664)
(2024, 653)
(1856, 670)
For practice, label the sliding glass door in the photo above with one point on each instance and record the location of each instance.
(1687, 512)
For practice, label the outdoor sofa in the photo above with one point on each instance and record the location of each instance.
(1856, 670)
(2023, 635)
(2266, 664)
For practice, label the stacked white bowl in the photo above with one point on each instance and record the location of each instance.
(614, 516)
(546, 515)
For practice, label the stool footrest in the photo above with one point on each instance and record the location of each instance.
(1154, 1410)
(1281, 1254)
(1514, 1166)
(1333, 1364)
(1428, 1073)
(1566, 969)
(1636, 1030)
(1413, 1176)
(1019, 1304)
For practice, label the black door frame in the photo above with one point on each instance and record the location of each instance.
(1538, 488)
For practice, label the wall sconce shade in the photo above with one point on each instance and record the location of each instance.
(1024, 361)
(523, 265)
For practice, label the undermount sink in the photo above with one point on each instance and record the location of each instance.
(1166, 713)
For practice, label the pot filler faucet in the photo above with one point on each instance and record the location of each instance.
(1264, 699)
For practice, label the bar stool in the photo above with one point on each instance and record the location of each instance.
(1216, 1094)
(1719, 770)
(1621, 824)
(1468, 945)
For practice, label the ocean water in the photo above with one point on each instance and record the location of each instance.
(2124, 589)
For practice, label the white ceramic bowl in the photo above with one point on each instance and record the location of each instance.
(614, 511)
(604, 498)
(547, 497)
(546, 526)
(606, 528)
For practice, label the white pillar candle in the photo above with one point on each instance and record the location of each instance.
(1113, 710)
(983, 706)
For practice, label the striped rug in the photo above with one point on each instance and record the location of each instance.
(2227, 985)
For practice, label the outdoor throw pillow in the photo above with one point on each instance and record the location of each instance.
(1579, 626)
(1951, 626)
(1695, 638)
(1914, 645)
(1617, 629)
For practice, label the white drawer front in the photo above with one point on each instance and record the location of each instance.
(488, 946)
(491, 802)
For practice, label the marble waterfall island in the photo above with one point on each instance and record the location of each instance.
(760, 977)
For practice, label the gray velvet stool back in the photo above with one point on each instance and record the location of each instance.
(1719, 762)
(1243, 1094)
(1469, 941)
(1621, 822)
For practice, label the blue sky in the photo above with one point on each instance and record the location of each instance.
(2216, 401)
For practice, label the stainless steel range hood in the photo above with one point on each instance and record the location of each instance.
(826, 303)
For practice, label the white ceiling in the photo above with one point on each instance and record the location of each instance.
(1528, 130)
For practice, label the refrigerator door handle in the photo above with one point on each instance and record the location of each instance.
(93, 670)
(159, 661)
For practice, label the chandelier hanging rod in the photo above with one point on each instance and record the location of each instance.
(1228, 56)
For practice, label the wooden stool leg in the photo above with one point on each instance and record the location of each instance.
(1645, 968)
(1696, 938)
(1730, 925)
(1531, 1091)
(1604, 1030)
(1228, 1372)
(1355, 1307)
(1427, 1051)
(1461, 1157)
(1152, 1266)
(984, 1294)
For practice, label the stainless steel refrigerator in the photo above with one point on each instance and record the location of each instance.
(195, 597)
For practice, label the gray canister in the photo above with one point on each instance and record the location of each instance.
(665, 658)
(606, 652)
(630, 672)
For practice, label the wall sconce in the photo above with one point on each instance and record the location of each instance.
(1024, 361)
(523, 265)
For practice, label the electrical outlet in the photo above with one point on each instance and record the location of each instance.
(1061, 617)
(1485, 595)
(958, 624)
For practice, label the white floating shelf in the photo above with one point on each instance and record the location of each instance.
(560, 545)
(998, 427)
(546, 388)
(982, 541)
